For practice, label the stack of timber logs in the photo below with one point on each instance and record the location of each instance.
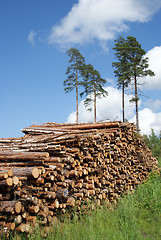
(56, 167)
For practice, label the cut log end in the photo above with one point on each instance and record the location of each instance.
(18, 207)
(35, 172)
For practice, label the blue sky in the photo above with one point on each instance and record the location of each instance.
(34, 38)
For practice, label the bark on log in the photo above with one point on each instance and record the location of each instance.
(30, 172)
(11, 155)
(13, 205)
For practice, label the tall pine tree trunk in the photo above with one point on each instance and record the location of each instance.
(76, 96)
(94, 103)
(136, 104)
(123, 102)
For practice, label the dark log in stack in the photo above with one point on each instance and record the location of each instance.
(55, 167)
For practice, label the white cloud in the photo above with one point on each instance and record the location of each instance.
(100, 19)
(31, 37)
(147, 120)
(109, 108)
(154, 56)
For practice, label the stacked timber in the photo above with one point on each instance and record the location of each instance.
(56, 167)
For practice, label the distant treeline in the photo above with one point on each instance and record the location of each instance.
(154, 143)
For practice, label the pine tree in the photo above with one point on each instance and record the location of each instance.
(138, 68)
(93, 87)
(122, 68)
(131, 66)
(74, 70)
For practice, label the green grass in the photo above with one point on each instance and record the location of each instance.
(136, 217)
(159, 162)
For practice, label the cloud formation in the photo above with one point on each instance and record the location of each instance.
(100, 20)
(154, 55)
(109, 108)
(148, 120)
(31, 37)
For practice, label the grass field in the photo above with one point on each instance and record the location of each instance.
(136, 217)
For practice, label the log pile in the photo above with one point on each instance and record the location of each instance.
(56, 167)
